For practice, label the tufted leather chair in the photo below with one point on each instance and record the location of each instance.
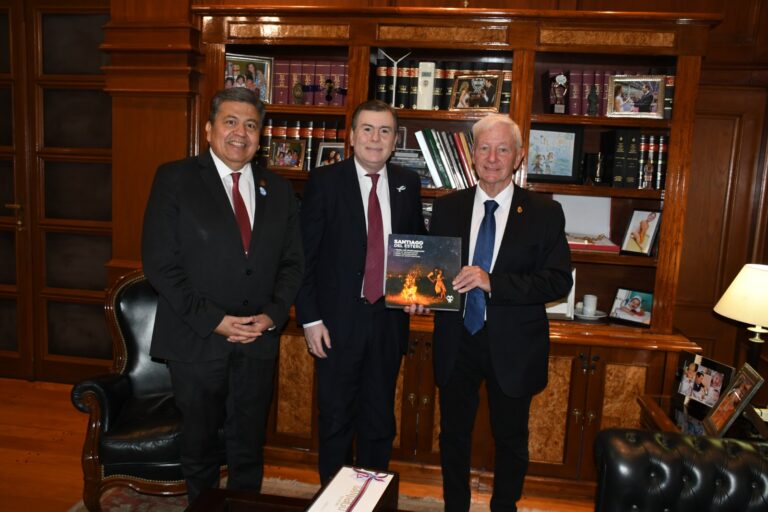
(648, 471)
(133, 429)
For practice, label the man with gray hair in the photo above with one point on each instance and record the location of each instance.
(516, 259)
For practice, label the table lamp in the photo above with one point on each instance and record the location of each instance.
(746, 299)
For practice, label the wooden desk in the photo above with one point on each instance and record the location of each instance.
(224, 500)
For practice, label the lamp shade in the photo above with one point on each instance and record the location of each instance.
(746, 299)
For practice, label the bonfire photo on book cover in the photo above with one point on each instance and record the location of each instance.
(420, 270)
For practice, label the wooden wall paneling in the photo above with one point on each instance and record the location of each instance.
(718, 240)
(153, 79)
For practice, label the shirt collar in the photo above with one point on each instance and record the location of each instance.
(224, 170)
(503, 198)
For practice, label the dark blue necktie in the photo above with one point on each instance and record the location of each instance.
(474, 314)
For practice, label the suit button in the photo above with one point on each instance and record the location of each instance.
(248, 272)
(245, 302)
(360, 273)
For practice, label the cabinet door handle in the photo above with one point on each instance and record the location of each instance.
(577, 414)
(591, 417)
(425, 400)
(412, 399)
(19, 215)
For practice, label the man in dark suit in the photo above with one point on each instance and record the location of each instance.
(347, 213)
(222, 247)
(645, 101)
(516, 259)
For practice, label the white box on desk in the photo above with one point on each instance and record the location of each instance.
(358, 490)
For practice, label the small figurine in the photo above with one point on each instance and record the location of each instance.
(592, 100)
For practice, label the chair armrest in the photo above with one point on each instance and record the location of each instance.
(110, 391)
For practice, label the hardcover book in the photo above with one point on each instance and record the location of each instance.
(364, 490)
(420, 269)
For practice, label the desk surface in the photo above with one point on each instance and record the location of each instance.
(221, 500)
(225, 500)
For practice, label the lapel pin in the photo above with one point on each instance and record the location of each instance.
(262, 187)
(519, 209)
(400, 188)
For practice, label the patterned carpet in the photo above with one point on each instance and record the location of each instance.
(126, 500)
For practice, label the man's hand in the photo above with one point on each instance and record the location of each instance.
(472, 277)
(243, 329)
(416, 309)
(317, 335)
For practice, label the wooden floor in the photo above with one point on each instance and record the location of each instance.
(41, 435)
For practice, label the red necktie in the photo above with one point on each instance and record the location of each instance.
(373, 286)
(243, 221)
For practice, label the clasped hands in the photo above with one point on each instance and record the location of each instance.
(243, 329)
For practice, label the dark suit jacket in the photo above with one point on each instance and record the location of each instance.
(192, 254)
(533, 267)
(334, 230)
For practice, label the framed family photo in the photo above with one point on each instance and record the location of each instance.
(733, 402)
(641, 232)
(553, 153)
(701, 383)
(636, 96)
(477, 91)
(251, 72)
(632, 307)
(329, 153)
(287, 154)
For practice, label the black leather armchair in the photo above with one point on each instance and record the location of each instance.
(646, 471)
(133, 429)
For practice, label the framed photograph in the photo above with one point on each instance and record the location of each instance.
(636, 96)
(733, 401)
(477, 91)
(632, 307)
(641, 232)
(701, 383)
(554, 152)
(251, 72)
(329, 153)
(287, 154)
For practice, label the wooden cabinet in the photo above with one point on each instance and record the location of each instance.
(596, 370)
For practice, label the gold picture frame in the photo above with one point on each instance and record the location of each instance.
(478, 91)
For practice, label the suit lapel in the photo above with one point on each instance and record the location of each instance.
(464, 222)
(396, 189)
(352, 196)
(513, 230)
(261, 190)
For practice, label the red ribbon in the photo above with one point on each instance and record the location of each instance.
(361, 474)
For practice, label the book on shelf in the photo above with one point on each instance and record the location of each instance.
(434, 162)
(281, 81)
(322, 83)
(660, 175)
(631, 157)
(612, 147)
(420, 270)
(402, 94)
(381, 79)
(414, 160)
(587, 81)
(413, 83)
(296, 91)
(339, 77)
(425, 86)
(451, 157)
(600, 88)
(576, 77)
(307, 82)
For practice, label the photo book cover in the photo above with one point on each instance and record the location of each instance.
(420, 270)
